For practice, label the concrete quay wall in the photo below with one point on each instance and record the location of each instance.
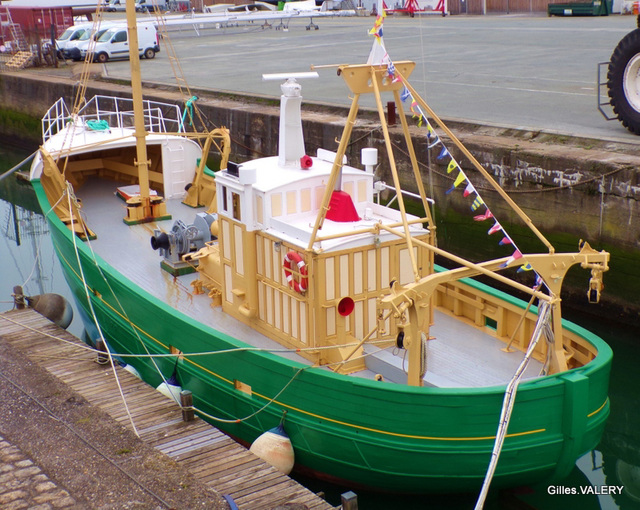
(571, 188)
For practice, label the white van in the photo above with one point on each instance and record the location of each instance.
(69, 36)
(73, 48)
(114, 43)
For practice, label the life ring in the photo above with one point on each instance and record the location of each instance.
(293, 257)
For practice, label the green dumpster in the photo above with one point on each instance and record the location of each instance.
(593, 8)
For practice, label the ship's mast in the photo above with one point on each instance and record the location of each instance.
(140, 209)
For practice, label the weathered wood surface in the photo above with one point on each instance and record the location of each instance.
(207, 452)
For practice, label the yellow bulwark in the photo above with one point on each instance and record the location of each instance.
(329, 303)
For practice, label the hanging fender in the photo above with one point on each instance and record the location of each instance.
(294, 258)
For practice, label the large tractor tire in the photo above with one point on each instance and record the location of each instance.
(623, 81)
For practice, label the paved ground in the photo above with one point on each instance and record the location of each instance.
(59, 452)
(533, 72)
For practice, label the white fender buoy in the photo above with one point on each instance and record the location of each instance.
(275, 448)
(131, 369)
(171, 387)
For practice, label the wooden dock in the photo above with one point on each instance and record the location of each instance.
(206, 452)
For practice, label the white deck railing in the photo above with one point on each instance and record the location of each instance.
(117, 112)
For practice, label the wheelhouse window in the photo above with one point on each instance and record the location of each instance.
(225, 204)
(235, 202)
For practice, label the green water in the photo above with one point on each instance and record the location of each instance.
(27, 257)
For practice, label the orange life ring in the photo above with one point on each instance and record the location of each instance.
(293, 257)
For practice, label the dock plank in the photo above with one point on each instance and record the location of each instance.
(207, 452)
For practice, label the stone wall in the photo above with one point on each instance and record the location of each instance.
(572, 189)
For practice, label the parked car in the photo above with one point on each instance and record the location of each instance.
(73, 48)
(114, 43)
(71, 34)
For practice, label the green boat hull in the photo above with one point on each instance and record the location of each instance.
(362, 433)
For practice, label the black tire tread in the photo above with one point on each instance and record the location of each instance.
(627, 48)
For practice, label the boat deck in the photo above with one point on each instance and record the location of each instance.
(458, 356)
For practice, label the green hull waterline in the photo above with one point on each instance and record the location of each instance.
(364, 433)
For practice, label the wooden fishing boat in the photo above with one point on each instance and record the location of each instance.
(280, 291)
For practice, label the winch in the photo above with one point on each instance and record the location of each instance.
(182, 239)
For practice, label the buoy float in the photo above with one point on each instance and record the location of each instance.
(131, 369)
(275, 448)
(54, 307)
(171, 387)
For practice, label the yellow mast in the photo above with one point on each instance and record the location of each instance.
(143, 208)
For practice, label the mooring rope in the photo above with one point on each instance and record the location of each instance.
(93, 313)
(18, 166)
(541, 328)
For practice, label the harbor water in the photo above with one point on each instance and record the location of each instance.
(27, 258)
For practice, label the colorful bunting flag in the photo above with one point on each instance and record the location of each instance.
(516, 255)
(391, 70)
(461, 178)
(377, 27)
(482, 217)
(477, 203)
(430, 131)
(495, 228)
(414, 108)
(468, 190)
(444, 152)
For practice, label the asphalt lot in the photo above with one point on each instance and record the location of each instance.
(531, 72)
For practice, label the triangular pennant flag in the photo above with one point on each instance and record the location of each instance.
(430, 131)
(468, 190)
(525, 267)
(539, 281)
(495, 228)
(436, 142)
(482, 217)
(443, 152)
(452, 165)
(405, 94)
(461, 178)
(391, 69)
(505, 240)
(516, 255)
(377, 26)
(477, 203)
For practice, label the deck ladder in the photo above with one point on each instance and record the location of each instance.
(543, 327)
